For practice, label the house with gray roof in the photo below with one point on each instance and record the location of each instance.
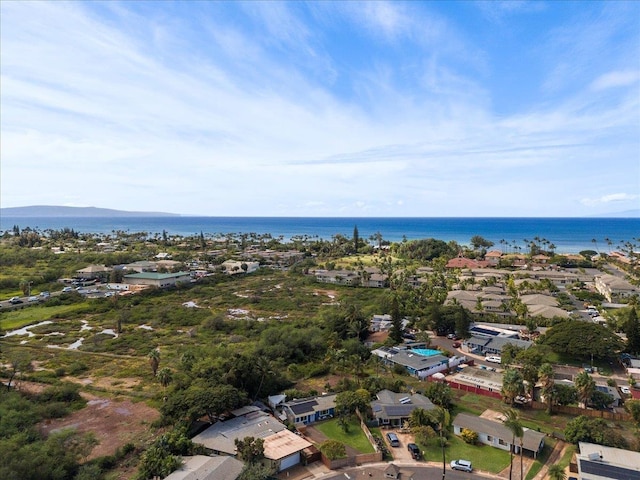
(394, 409)
(497, 435)
(310, 410)
(159, 280)
(220, 437)
(202, 467)
(493, 345)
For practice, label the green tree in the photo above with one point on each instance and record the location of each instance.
(154, 360)
(439, 393)
(548, 382)
(419, 418)
(582, 339)
(165, 377)
(333, 449)
(593, 430)
(396, 321)
(512, 385)
(556, 472)
(257, 471)
(356, 239)
(443, 419)
(479, 242)
(513, 423)
(250, 449)
(633, 407)
(632, 329)
(586, 386)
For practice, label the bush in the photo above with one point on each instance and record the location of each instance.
(469, 436)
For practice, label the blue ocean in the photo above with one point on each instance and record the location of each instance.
(569, 235)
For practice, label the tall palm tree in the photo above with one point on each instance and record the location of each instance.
(512, 422)
(165, 377)
(585, 385)
(154, 360)
(442, 417)
(556, 472)
(548, 383)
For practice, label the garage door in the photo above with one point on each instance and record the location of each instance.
(290, 461)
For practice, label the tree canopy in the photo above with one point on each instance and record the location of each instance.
(578, 338)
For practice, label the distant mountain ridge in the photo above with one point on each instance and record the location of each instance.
(60, 211)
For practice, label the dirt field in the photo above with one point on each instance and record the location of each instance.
(113, 422)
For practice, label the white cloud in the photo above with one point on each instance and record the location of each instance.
(247, 130)
(610, 198)
(616, 79)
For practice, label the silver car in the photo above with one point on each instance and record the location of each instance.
(462, 465)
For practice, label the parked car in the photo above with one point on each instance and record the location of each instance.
(67, 289)
(626, 390)
(493, 359)
(394, 441)
(32, 299)
(415, 451)
(462, 465)
(45, 294)
(456, 344)
(452, 336)
(15, 300)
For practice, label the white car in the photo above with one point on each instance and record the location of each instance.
(625, 390)
(462, 465)
(493, 359)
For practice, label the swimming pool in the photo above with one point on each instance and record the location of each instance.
(425, 352)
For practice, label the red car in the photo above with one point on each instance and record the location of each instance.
(456, 344)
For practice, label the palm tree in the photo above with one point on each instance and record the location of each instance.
(585, 385)
(546, 378)
(442, 417)
(154, 360)
(556, 472)
(165, 377)
(419, 418)
(512, 422)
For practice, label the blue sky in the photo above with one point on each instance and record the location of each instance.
(322, 108)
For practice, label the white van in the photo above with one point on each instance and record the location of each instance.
(493, 359)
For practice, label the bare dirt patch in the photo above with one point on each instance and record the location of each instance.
(114, 422)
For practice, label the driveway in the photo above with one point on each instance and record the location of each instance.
(400, 453)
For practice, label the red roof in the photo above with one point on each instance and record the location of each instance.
(461, 262)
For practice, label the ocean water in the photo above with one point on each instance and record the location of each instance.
(569, 235)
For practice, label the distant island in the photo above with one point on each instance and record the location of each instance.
(39, 211)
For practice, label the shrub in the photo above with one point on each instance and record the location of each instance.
(469, 436)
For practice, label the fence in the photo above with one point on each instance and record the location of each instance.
(472, 389)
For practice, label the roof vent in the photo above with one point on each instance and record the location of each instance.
(405, 400)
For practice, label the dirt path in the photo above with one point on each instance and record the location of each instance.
(556, 455)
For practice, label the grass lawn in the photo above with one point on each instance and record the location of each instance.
(483, 457)
(355, 437)
(34, 314)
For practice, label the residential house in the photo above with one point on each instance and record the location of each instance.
(220, 437)
(394, 409)
(203, 467)
(462, 263)
(309, 410)
(283, 449)
(232, 267)
(94, 272)
(597, 462)
(418, 361)
(615, 287)
(159, 280)
(493, 345)
(493, 257)
(495, 434)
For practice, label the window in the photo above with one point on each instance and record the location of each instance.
(489, 438)
(502, 442)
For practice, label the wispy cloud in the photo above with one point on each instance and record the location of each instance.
(250, 110)
(611, 198)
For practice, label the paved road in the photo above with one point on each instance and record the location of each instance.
(420, 471)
